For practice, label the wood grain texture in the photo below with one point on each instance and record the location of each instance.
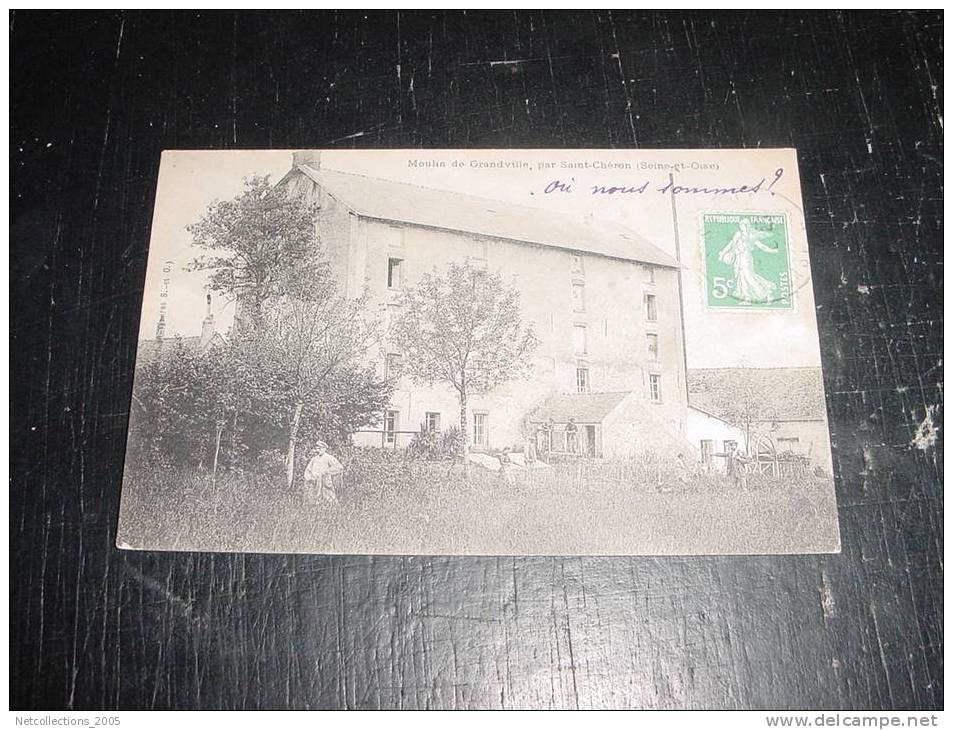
(95, 97)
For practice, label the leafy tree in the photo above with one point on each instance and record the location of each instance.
(743, 410)
(307, 361)
(181, 405)
(298, 346)
(463, 328)
(733, 394)
(257, 241)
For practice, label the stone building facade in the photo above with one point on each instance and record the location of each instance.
(602, 300)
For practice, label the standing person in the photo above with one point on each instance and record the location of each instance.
(318, 475)
(572, 433)
(733, 467)
(681, 468)
(506, 467)
(529, 451)
(546, 428)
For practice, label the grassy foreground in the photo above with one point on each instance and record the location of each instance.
(390, 504)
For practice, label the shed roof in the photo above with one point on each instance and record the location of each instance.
(777, 394)
(585, 408)
(389, 200)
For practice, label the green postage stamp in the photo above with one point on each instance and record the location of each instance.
(747, 262)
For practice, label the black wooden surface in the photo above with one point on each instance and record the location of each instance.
(95, 98)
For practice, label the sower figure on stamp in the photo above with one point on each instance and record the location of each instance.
(318, 475)
(739, 254)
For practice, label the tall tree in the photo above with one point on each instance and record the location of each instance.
(256, 241)
(181, 402)
(463, 328)
(736, 396)
(301, 347)
(309, 352)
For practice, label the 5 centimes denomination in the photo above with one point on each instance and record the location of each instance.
(747, 261)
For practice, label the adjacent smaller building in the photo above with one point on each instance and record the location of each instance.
(611, 425)
(713, 438)
(783, 409)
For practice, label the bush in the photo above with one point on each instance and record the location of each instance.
(452, 441)
(435, 445)
(426, 443)
(271, 463)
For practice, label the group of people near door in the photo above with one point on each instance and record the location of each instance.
(541, 439)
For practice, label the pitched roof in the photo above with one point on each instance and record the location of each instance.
(777, 394)
(585, 408)
(405, 203)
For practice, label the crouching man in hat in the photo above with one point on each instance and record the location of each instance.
(323, 466)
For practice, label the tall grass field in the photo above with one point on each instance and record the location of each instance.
(389, 503)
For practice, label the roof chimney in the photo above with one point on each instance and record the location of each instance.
(208, 324)
(309, 158)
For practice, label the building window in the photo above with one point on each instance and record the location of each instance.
(582, 380)
(708, 450)
(578, 296)
(579, 339)
(392, 363)
(480, 248)
(391, 425)
(651, 308)
(480, 439)
(788, 443)
(651, 274)
(577, 267)
(731, 446)
(655, 387)
(652, 343)
(395, 273)
(432, 421)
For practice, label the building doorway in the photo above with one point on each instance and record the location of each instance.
(589, 434)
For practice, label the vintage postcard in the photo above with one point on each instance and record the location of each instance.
(483, 352)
